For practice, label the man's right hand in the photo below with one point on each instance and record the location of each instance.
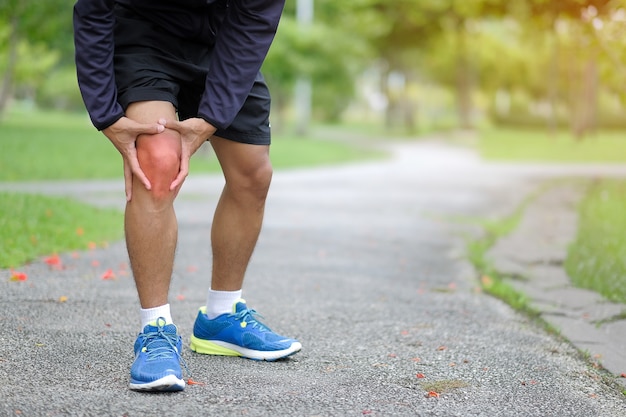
(123, 134)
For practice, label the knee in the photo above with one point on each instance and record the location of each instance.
(255, 180)
(159, 158)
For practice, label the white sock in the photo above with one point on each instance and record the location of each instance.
(150, 315)
(221, 302)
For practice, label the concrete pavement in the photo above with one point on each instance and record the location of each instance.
(358, 262)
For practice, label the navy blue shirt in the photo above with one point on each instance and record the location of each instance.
(245, 33)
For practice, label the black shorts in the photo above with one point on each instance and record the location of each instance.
(150, 64)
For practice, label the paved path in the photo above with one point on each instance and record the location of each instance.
(360, 262)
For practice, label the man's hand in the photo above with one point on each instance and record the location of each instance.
(123, 134)
(193, 133)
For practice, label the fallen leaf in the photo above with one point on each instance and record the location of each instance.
(192, 382)
(441, 347)
(18, 276)
(62, 299)
(54, 261)
(432, 394)
(108, 274)
(486, 280)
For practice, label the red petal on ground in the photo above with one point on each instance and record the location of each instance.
(433, 394)
(53, 260)
(192, 382)
(420, 376)
(18, 276)
(108, 274)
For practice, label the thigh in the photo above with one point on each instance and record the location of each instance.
(241, 159)
(151, 112)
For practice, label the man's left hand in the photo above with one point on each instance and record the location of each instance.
(193, 133)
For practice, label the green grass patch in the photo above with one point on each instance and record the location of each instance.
(527, 145)
(492, 282)
(46, 146)
(32, 226)
(597, 258)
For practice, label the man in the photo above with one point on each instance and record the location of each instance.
(159, 78)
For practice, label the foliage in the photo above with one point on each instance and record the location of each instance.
(34, 37)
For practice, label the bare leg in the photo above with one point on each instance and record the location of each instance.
(239, 213)
(150, 222)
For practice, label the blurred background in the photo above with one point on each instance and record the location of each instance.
(409, 66)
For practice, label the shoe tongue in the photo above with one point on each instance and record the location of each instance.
(239, 305)
(168, 328)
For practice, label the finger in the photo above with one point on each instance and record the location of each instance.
(171, 124)
(138, 172)
(182, 173)
(128, 181)
(148, 129)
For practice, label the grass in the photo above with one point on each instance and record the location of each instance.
(46, 145)
(597, 258)
(539, 146)
(491, 280)
(37, 145)
(32, 226)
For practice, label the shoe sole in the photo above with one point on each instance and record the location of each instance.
(217, 347)
(168, 383)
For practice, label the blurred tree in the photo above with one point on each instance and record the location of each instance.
(36, 34)
(327, 52)
(442, 28)
(569, 26)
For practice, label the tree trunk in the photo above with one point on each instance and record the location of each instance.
(553, 82)
(7, 79)
(463, 79)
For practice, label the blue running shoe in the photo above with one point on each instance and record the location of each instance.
(239, 334)
(157, 359)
